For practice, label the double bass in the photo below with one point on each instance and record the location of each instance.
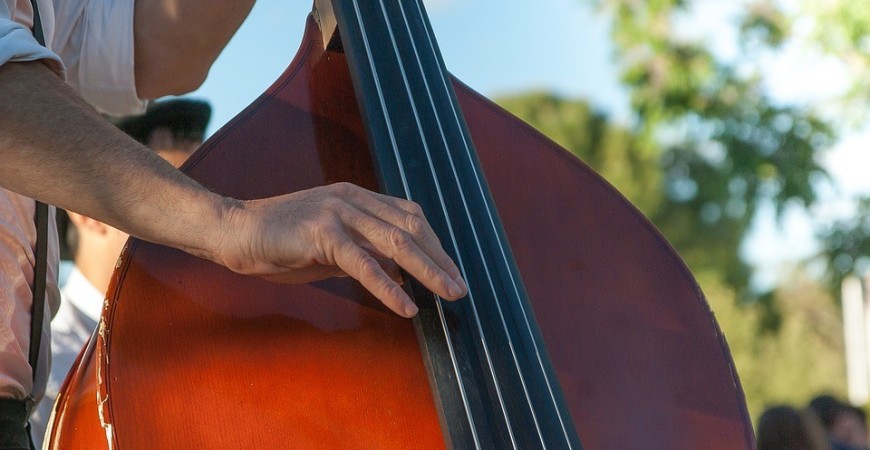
(582, 327)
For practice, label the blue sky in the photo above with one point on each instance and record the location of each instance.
(496, 47)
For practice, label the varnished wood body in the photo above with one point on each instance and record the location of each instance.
(196, 357)
(76, 420)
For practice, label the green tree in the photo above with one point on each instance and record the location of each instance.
(839, 30)
(846, 245)
(725, 148)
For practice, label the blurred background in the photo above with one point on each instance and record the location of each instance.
(739, 127)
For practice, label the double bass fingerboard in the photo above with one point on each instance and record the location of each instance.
(486, 356)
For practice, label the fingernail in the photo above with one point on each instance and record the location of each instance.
(454, 289)
(461, 283)
(410, 310)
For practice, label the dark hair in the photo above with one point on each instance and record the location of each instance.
(783, 428)
(826, 407)
(185, 118)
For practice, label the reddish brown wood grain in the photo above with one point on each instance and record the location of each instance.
(76, 421)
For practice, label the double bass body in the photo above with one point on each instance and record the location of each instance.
(192, 356)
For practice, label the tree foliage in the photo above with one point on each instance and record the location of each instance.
(846, 245)
(707, 149)
(841, 29)
(726, 148)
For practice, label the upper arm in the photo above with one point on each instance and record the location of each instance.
(177, 41)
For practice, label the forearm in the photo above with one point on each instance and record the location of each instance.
(57, 149)
(177, 41)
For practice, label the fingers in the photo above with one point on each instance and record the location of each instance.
(390, 267)
(401, 246)
(408, 217)
(364, 268)
(411, 219)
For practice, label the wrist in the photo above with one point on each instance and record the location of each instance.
(224, 247)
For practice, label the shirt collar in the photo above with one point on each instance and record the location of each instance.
(83, 295)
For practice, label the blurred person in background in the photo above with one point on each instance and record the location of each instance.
(785, 428)
(845, 425)
(174, 129)
(849, 430)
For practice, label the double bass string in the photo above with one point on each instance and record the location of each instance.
(492, 223)
(442, 202)
(465, 204)
(473, 228)
(440, 128)
(462, 195)
(427, 150)
(420, 162)
(444, 210)
(408, 194)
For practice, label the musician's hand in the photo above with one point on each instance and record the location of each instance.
(340, 230)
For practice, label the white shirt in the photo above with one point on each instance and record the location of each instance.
(90, 44)
(80, 307)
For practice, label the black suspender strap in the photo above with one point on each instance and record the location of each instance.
(37, 24)
(38, 311)
(41, 254)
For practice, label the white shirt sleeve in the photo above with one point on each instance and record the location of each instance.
(90, 44)
(17, 43)
(94, 38)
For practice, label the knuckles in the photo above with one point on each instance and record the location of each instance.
(415, 225)
(399, 240)
(414, 209)
(368, 265)
(342, 188)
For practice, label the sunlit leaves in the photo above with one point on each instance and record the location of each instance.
(713, 126)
